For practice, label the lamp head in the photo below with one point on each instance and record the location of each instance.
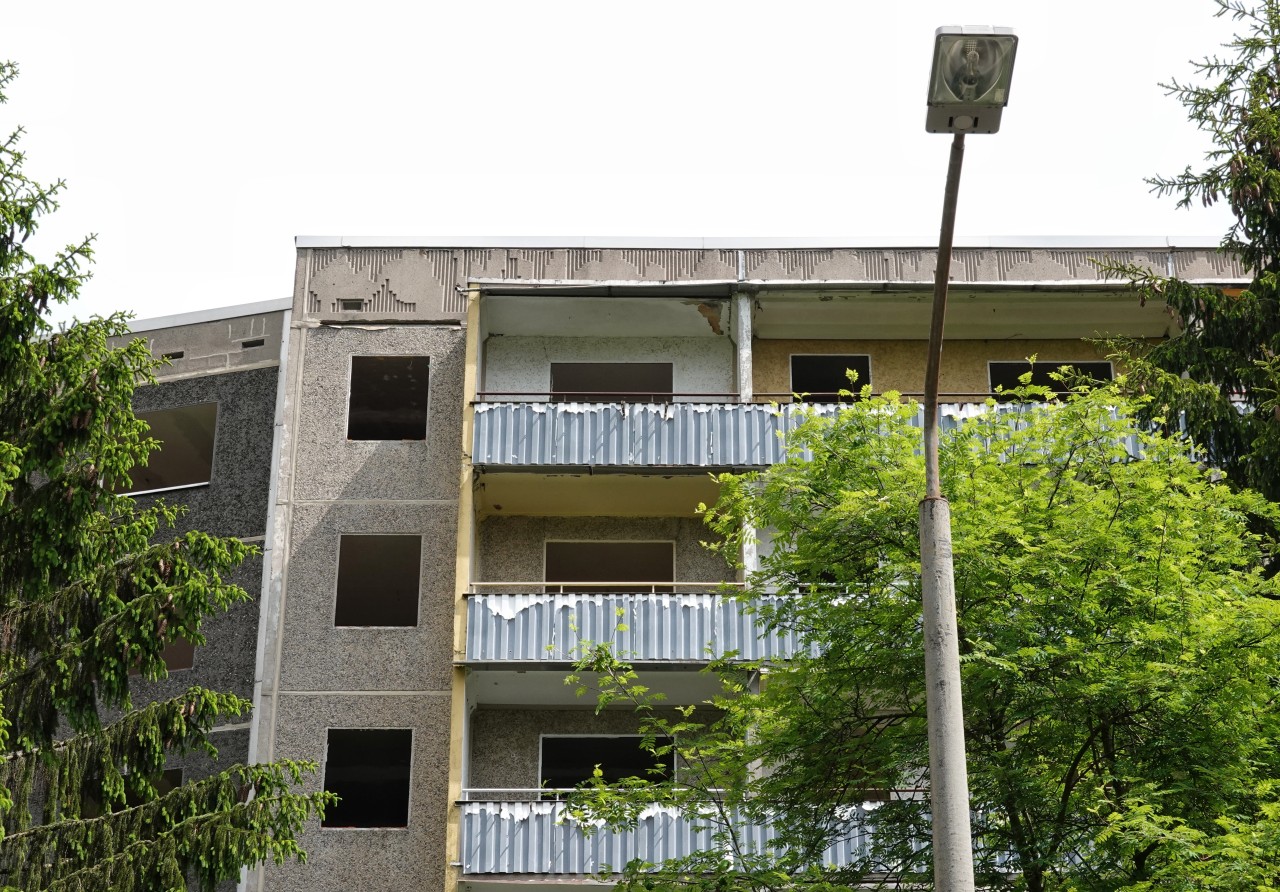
(969, 86)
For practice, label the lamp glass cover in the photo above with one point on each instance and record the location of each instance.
(972, 69)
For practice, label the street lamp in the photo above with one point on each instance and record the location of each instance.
(969, 87)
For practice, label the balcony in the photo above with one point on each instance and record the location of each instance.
(537, 837)
(692, 435)
(687, 623)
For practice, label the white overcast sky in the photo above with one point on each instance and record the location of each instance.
(197, 139)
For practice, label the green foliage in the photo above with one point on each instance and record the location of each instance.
(1220, 376)
(1120, 655)
(92, 588)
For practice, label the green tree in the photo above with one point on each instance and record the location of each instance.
(1121, 650)
(1221, 375)
(91, 588)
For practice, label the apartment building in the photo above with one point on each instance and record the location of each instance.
(486, 456)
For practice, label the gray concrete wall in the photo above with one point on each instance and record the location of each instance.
(411, 857)
(329, 467)
(365, 677)
(699, 365)
(216, 345)
(513, 548)
(234, 503)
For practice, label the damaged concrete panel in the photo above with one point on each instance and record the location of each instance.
(516, 364)
(343, 859)
(329, 466)
(317, 655)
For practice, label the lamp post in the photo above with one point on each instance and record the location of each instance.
(968, 89)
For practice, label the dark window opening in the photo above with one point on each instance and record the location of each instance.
(568, 761)
(378, 580)
(185, 456)
(369, 770)
(820, 378)
(1005, 375)
(176, 354)
(177, 655)
(388, 398)
(349, 305)
(609, 382)
(575, 563)
(256, 342)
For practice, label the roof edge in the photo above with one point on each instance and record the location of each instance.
(756, 242)
(211, 314)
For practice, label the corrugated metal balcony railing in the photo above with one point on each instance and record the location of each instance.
(683, 626)
(539, 838)
(681, 435)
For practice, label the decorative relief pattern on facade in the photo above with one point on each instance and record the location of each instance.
(527, 264)
(580, 259)
(1078, 264)
(1208, 264)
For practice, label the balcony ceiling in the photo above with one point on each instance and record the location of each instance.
(898, 312)
(586, 494)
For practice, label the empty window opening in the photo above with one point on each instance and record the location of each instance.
(388, 398)
(616, 564)
(185, 456)
(91, 798)
(627, 382)
(369, 770)
(378, 580)
(350, 305)
(175, 354)
(249, 345)
(820, 378)
(1005, 375)
(178, 655)
(568, 761)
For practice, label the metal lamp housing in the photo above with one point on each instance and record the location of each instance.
(969, 85)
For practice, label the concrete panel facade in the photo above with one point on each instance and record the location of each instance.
(523, 364)
(513, 549)
(899, 365)
(411, 857)
(316, 655)
(328, 466)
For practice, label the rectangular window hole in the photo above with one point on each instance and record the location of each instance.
(610, 382)
(350, 305)
(573, 564)
(249, 345)
(369, 770)
(570, 760)
(1004, 375)
(173, 354)
(388, 398)
(819, 378)
(378, 580)
(185, 456)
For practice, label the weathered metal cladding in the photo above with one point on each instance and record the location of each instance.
(655, 627)
(685, 435)
(622, 434)
(539, 838)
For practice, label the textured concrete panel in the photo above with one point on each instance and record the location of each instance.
(234, 503)
(225, 662)
(523, 364)
(319, 657)
(899, 365)
(329, 466)
(339, 859)
(513, 548)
